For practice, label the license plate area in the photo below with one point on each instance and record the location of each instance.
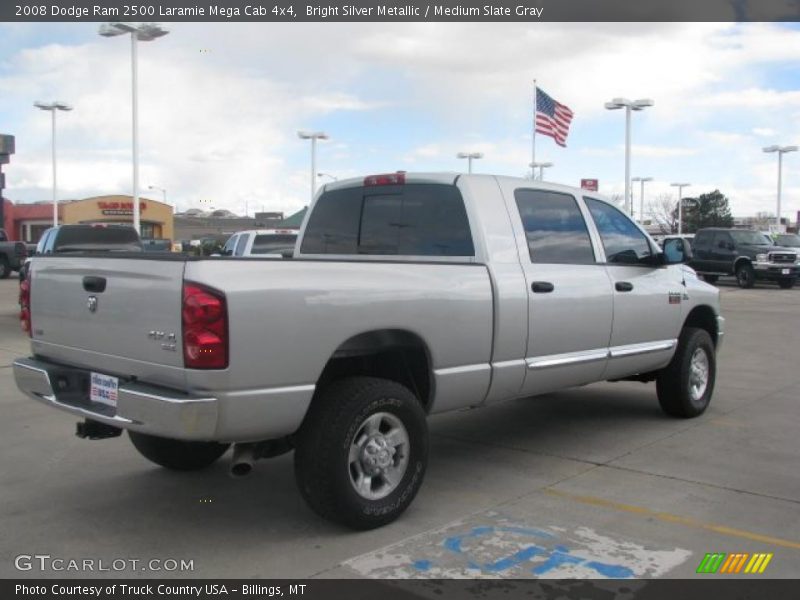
(103, 389)
(785, 271)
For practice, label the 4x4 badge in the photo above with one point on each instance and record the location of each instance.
(91, 304)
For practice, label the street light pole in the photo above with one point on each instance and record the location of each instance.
(52, 107)
(470, 156)
(680, 187)
(160, 189)
(641, 195)
(313, 136)
(145, 32)
(628, 105)
(542, 166)
(331, 177)
(781, 150)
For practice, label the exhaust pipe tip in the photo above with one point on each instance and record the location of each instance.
(244, 458)
(241, 469)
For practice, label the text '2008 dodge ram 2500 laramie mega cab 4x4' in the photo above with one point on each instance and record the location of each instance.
(407, 295)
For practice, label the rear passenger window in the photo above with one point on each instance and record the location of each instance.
(400, 220)
(624, 243)
(554, 228)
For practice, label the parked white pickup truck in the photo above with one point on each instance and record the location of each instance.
(407, 295)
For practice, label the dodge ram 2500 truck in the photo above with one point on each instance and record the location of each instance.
(406, 295)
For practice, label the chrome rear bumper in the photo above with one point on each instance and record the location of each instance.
(140, 407)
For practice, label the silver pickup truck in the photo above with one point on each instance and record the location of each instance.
(407, 295)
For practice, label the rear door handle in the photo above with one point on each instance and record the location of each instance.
(94, 284)
(542, 287)
(623, 286)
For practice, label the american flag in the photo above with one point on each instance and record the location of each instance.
(552, 118)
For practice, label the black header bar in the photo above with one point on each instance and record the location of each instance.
(400, 10)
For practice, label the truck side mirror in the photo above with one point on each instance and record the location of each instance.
(676, 251)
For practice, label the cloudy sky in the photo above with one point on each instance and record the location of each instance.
(220, 105)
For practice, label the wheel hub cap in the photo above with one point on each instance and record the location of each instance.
(699, 371)
(378, 456)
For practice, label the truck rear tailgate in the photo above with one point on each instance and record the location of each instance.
(120, 316)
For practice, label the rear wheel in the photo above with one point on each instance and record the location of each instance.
(5, 268)
(786, 284)
(745, 275)
(362, 451)
(177, 455)
(685, 386)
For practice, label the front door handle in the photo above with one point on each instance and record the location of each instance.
(623, 286)
(542, 287)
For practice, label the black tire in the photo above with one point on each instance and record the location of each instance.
(674, 382)
(786, 284)
(745, 276)
(710, 278)
(323, 467)
(177, 455)
(5, 268)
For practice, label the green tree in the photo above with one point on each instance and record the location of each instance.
(707, 210)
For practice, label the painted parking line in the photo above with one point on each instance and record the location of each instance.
(670, 518)
(493, 546)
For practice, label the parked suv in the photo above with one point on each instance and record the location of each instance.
(85, 237)
(748, 255)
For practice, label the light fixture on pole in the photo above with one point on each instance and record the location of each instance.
(781, 150)
(628, 105)
(52, 107)
(145, 32)
(313, 136)
(680, 187)
(331, 177)
(641, 195)
(470, 156)
(542, 166)
(160, 189)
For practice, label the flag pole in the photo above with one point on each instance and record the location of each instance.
(533, 137)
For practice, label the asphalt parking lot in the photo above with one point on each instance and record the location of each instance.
(592, 482)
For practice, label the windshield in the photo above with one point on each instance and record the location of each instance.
(791, 241)
(752, 238)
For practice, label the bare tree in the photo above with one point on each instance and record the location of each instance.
(664, 212)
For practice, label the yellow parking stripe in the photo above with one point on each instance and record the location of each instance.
(752, 565)
(765, 563)
(670, 518)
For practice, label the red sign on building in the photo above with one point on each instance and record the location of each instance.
(589, 184)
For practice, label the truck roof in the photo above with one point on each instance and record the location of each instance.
(450, 178)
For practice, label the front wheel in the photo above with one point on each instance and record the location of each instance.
(685, 386)
(362, 452)
(177, 455)
(745, 276)
(786, 284)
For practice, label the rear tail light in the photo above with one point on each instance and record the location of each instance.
(398, 178)
(205, 327)
(25, 303)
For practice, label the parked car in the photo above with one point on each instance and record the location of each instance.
(157, 245)
(85, 237)
(261, 243)
(407, 295)
(12, 255)
(748, 255)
